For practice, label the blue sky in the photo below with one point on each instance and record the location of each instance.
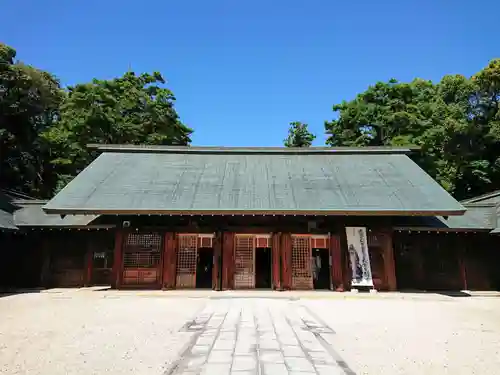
(242, 70)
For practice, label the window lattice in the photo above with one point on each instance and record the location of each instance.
(142, 258)
(301, 263)
(244, 259)
(186, 261)
(143, 241)
(142, 250)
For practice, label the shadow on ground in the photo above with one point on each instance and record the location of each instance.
(11, 292)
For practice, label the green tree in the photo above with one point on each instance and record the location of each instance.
(299, 135)
(385, 114)
(133, 109)
(29, 104)
(455, 122)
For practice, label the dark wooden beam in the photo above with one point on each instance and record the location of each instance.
(336, 267)
(169, 260)
(286, 260)
(275, 259)
(216, 270)
(118, 259)
(389, 263)
(227, 260)
(89, 257)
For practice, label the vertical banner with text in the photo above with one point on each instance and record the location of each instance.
(359, 258)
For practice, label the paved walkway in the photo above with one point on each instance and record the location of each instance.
(240, 338)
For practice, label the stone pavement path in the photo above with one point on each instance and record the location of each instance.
(245, 336)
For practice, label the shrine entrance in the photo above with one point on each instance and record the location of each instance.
(263, 271)
(252, 261)
(195, 261)
(321, 269)
(310, 262)
(302, 277)
(204, 267)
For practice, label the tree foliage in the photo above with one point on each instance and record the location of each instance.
(455, 122)
(299, 135)
(29, 104)
(133, 109)
(44, 129)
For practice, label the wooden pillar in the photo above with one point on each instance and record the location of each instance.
(89, 257)
(346, 262)
(118, 263)
(275, 257)
(336, 267)
(227, 260)
(169, 261)
(389, 263)
(45, 274)
(216, 270)
(417, 245)
(461, 245)
(286, 261)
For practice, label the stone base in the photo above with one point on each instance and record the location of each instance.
(365, 289)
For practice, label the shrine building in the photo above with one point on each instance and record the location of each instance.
(168, 217)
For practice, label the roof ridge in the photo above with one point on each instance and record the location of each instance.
(15, 194)
(479, 204)
(482, 197)
(250, 150)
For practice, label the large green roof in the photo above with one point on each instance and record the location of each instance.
(190, 180)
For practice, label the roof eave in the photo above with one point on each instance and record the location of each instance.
(440, 229)
(9, 229)
(79, 226)
(354, 212)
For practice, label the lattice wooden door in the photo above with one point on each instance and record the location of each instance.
(301, 263)
(244, 262)
(187, 253)
(142, 259)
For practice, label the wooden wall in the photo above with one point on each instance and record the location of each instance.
(401, 260)
(68, 257)
(446, 261)
(21, 260)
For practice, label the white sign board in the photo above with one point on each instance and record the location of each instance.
(359, 259)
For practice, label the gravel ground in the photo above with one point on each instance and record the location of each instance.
(81, 333)
(422, 336)
(161, 333)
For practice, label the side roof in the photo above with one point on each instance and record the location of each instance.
(478, 217)
(30, 214)
(18, 211)
(7, 220)
(492, 197)
(128, 179)
(6, 213)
